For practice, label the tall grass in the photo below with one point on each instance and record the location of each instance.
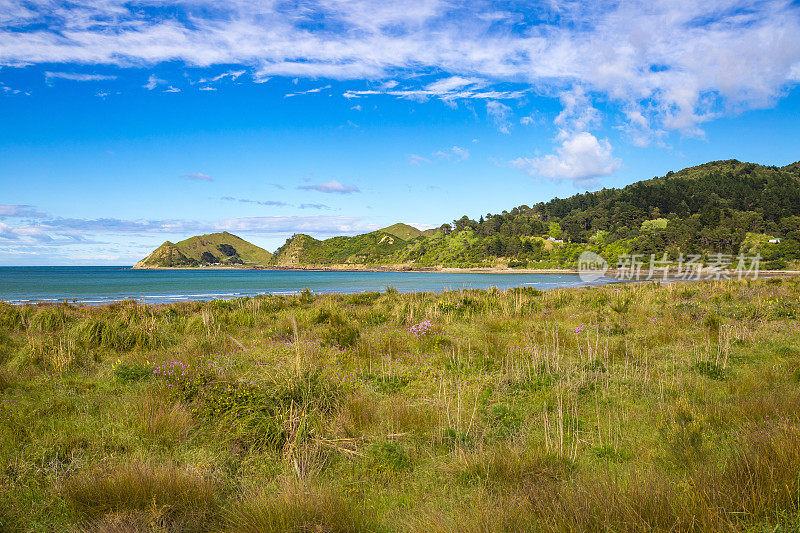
(619, 408)
(165, 489)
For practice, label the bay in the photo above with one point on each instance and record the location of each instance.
(102, 284)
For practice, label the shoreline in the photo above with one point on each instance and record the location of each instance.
(402, 269)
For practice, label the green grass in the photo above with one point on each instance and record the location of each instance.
(672, 408)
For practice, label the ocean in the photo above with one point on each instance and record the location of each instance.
(103, 284)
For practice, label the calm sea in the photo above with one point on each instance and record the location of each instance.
(96, 285)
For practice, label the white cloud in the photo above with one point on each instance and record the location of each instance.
(331, 187)
(309, 91)
(679, 63)
(577, 114)
(232, 74)
(500, 114)
(152, 82)
(441, 92)
(60, 232)
(580, 158)
(794, 72)
(456, 153)
(77, 77)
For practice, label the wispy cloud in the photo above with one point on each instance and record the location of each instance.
(153, 81)
(71, 76)
(268, 203)
(197, 176)
(331, 187)
(455, 153)
(309, 91)
(20, 211)
(68, 231)
(274, 203)
(232, 74)
(416, 159)
(500, 115)
(315, 224)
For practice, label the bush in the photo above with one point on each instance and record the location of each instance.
(257, 413)
(684, 434)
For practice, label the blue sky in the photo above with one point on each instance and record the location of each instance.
(127, 123)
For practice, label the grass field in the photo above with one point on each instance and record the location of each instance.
(619, 408)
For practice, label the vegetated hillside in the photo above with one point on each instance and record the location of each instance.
(719, 207)
(725, 207)
(710, 208)
(212, 249)
(403, 231)
(383, 246)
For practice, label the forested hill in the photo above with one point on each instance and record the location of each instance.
(712, 192)
(715, 207)
(720, 207)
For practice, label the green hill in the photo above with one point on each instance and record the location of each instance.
(403, 231)
(212, 249)
(723, 207)
(716, 207)
(383, 246)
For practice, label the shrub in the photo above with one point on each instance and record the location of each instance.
(711, 322)
(341, 334)
(258, 413)
(7, 346)
(306, 296)
(363, 298)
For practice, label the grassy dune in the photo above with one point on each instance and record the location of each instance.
(624, 408)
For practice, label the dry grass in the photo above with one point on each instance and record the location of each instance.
(293, 507)
(163, 489)
(161, 421)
